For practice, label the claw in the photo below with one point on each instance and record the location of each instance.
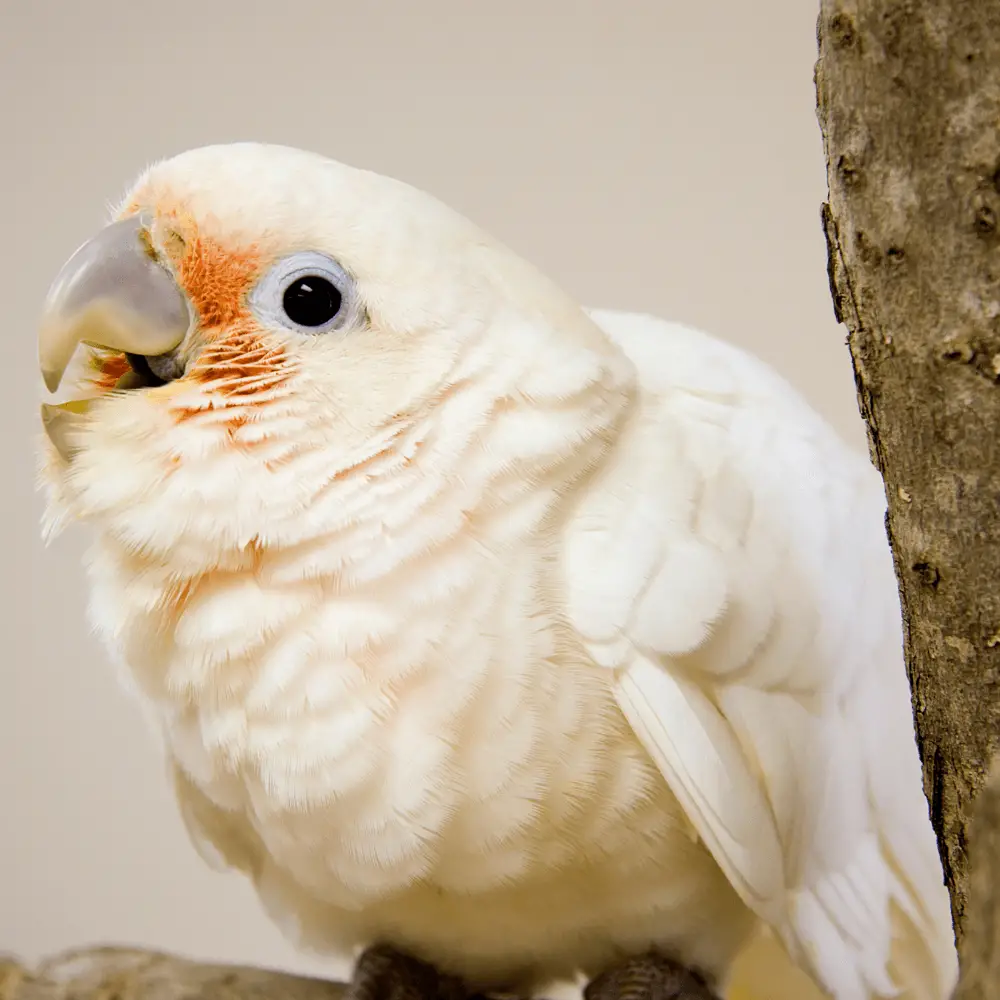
(382, 973)
(650, 977)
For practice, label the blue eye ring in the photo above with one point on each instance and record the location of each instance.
(307, 292)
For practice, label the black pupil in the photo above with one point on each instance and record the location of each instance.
(311, 301)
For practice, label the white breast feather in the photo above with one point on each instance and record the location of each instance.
(459, 740)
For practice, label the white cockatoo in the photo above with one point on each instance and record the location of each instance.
(519, 638)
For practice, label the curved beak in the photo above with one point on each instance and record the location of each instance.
(111, 293)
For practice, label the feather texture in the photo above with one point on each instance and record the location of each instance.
(520, 638)
(759, 658)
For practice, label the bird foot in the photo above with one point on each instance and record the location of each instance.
(382, 973)
(649, 977)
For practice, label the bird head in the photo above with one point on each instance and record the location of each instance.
(265, 347)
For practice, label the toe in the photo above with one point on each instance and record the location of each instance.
(383, 973)
(649, 977)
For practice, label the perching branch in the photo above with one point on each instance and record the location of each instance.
(909, 103)
(132, 974)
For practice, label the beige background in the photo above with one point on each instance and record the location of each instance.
(658, 155)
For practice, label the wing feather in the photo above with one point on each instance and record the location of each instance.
(747, 608)
(691, 742)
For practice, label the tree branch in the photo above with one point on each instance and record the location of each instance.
(980, 952)
(134, 974)
(908, 97)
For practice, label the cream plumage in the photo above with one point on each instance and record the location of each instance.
(517, 636)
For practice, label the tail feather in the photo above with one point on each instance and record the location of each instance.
(764, 971)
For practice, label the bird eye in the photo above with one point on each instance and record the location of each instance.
(311, 300)
(306, 292)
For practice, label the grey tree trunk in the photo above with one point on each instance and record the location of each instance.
(909, 103)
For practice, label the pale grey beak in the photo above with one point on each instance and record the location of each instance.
(111, 293)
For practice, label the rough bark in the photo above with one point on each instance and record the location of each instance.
(132, 974)
(909, 103)
(980, 951)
